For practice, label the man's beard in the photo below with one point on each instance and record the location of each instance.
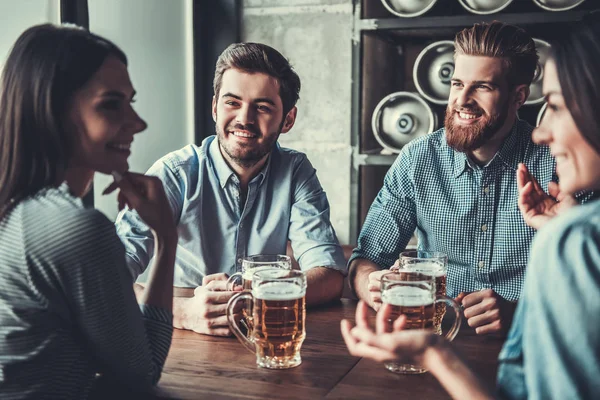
(472, 137)
(246, 155)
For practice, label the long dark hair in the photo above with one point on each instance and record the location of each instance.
(577, 59)
(46, 65)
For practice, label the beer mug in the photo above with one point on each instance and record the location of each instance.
(413, 294)
(434, 264)
(278, 315)
(251, 264)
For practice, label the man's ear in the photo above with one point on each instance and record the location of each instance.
(289, 121)
(214, 108)
(521, 94)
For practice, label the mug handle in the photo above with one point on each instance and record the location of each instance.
(457, 321)
(231, 281)
(246, 295)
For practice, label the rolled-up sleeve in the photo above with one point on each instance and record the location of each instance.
(312, 236)
(392, 218)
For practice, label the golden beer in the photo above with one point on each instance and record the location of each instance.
(434, 264)
(250, 265)
(413, 294)
(415, 302)
(278, 318)
(438, 272)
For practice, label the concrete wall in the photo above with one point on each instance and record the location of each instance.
(156, 35)
(315, 35)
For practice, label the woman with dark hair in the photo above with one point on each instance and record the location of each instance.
(553, 349)
(67, 307)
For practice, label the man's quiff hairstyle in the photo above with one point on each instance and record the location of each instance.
(500, 40)
(257, 57)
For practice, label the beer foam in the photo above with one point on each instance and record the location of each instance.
(278, 291)
(247, 274)
(427, 268)
(407, 296)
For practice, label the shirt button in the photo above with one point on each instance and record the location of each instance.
(486, 189)
(484, 227)
(481, 264)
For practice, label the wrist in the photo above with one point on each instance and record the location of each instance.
(438, 355)
(184, 315)
(166, 238)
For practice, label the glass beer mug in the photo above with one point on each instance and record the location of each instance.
(251, 264)
(278, 315)
(414, 295)
(434, 264)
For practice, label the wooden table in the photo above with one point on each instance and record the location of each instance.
(202, 366)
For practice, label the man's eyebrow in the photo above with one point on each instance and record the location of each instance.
(264, 100)
(228, 94)
(258, 100)
(482, 82)
(490, 83)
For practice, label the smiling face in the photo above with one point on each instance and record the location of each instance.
(480, 103)
(102, 121)
(577, 163)
(248, 115)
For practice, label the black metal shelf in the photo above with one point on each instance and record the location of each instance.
(374, 158)
(466, 20)
(371, 163)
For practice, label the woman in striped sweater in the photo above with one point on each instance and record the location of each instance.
(67, 307)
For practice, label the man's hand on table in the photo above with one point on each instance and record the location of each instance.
(205, 311)
(487, 312)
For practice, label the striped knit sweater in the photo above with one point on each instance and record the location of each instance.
(67, 307)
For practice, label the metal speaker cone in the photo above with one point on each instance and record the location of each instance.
(485, 6)
(408, 8)
(541, 114)
(557, 5)
(536, 95)
(433, 71)
(401, 117)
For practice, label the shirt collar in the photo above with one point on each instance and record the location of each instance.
(508, 153)
(224, 172)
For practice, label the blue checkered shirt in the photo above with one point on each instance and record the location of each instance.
(457, 207)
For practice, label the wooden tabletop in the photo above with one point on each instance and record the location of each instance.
(202, 366)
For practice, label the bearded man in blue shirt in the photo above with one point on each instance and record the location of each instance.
(240, 194)
(457, 186)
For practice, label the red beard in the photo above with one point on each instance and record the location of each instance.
(468, 138)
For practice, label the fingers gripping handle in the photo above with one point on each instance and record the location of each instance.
(231, 305)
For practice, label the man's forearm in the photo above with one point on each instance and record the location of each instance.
(323, 285)
(359, 277)
(180, 299)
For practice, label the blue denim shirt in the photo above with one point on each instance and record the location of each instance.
(553, 348)
(457, 207)
(217, 228)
